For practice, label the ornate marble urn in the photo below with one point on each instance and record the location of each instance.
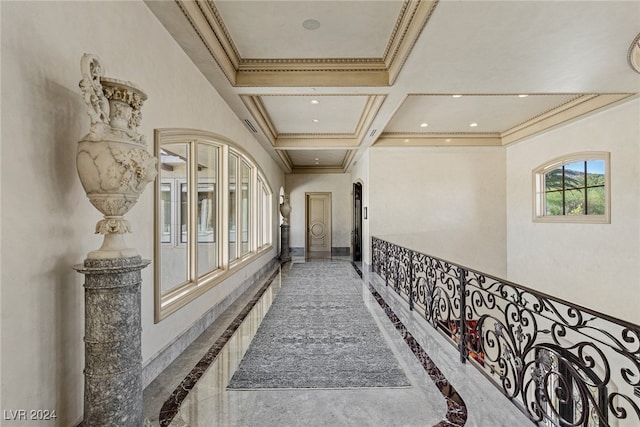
(285, 209)
(112, 159)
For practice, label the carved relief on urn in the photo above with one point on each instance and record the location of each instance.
(112, 159)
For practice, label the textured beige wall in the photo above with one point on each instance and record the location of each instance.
(47, 222)
(595, 265)
(454, 197)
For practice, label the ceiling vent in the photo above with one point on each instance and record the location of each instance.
(251, 126)
(373, 132)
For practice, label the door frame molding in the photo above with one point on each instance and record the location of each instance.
(306, 218)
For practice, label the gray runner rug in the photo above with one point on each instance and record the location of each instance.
(318, 334)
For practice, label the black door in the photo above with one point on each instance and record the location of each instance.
(356, 234)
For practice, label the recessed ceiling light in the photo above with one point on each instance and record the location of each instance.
(473, 125)
(524, 95)
(315, 120)
(447, 140)
(311, 24)
(457, 96)
(423, 125)
(315, 101)
(316, 159)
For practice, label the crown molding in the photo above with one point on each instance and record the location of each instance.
(259, 112)
(411, 21)
(312, 78)
(348, 160)
(317, 135)
(577, 107)
(316, 170)
(312, 64)
(310, 143)
(397, 139)
(284, 156)
(368, 116)
(203, 20)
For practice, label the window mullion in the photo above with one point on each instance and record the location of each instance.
(564, 206)
(254, 210)
(238, 213)
(223, 211)
(192, 211)
(586, 205)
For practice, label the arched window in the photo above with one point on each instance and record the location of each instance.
(213, 214)
(573, 188)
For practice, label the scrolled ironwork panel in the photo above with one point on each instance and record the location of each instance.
(562, 364)
(403, 275)
(433, 290)
(375, 255)
(511, 325)
(424, 286)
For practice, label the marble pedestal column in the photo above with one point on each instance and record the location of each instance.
(284, 243)
(113, 356)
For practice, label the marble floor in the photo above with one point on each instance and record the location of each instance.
(443, 392)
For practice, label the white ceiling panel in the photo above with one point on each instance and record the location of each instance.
(525, 47)
(274, 29)
(321, 158)
(491, 113)
(300, 114)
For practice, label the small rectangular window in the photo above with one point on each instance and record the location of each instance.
(245, 206)
(166, 210)
(233, 203)
(573, 189)
(206, 202)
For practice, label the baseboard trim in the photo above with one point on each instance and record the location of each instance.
(335, 251)
(296, 251)
(341, 251)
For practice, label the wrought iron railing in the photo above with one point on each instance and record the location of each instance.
(561, 364)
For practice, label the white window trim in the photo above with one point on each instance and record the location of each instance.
(182, 294)
(539, 200)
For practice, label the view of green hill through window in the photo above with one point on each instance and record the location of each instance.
(576, 189)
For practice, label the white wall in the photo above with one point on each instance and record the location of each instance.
(595, 265)
(451, 200)
(47, 222)
(340, 187)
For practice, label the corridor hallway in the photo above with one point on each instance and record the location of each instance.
(432, 388)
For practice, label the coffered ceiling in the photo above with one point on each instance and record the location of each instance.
(319, 81)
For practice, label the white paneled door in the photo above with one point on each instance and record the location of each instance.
(319, 222)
